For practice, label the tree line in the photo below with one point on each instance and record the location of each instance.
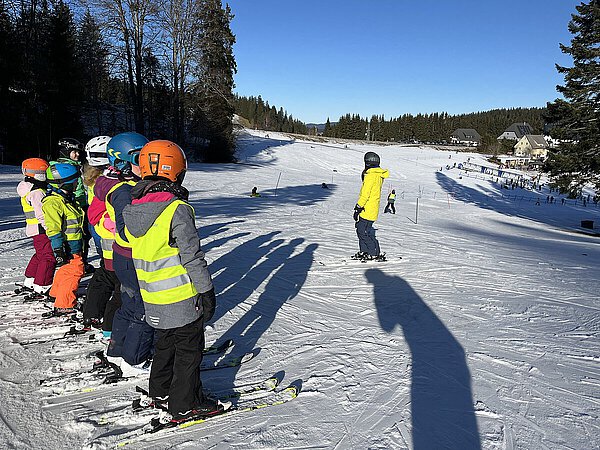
(435, 127)
(263, 116)
(162, 68)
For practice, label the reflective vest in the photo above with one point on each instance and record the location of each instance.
(111, 212)
(163, 279)
(106, 238)
(62, 217)
(29, 212)
(392, 198)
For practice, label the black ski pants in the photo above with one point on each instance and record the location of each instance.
(176, 366)
(103, 297)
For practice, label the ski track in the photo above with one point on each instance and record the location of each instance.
(504, 284)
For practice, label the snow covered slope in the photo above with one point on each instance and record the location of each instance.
(481, 331)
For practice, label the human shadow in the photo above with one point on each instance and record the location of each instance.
(243, 206)
(238, 274)
(288, 276)
(441, 399)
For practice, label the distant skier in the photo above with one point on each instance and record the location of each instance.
(366, 210)
(254, 192)
(390, 203)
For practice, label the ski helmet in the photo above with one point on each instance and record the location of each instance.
(67, 145)
(95, 151)
(163, 159)
(371, 159)
(35, 168)
(62, 175)
(124, 148)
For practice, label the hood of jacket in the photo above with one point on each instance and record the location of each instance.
(143, 212)
(383, 173)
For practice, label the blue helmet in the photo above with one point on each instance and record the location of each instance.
(124, 149)
(61, 174)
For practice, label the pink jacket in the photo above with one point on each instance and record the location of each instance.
(34, 198)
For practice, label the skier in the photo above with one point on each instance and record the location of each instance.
(366, 210)
(97, 162)
(104, 295)
(32, 190)
(69, 153)
(132, 340)
(390, 203)
(64, 222)
(254, 192)
(174, 280)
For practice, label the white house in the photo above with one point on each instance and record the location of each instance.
(466, 136)
(532, 145)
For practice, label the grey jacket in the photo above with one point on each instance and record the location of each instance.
(183, 234)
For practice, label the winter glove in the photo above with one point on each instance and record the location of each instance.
(209, 302)
(61, 257)
(357, 211)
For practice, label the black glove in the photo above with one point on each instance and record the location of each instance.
(357, 211)
(209, 301)
(61, 257)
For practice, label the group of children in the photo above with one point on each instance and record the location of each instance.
(152, 293)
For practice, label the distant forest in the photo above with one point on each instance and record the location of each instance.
(433, 128)
(263, 116)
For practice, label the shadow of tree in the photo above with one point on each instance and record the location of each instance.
(441, 400)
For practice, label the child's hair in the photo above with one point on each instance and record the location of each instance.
(90, 174)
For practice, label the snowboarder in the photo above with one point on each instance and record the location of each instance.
(366, 210)
(32, 190)
(390, 203)
(64, 227)
(175, 283)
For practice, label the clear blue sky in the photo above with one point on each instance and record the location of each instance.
(326, 58)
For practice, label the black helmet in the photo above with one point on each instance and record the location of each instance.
(67, 145)
(371, 159)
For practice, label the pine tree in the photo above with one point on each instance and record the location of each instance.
(216, 66)
(577, 117)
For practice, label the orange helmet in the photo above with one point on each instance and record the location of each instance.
(163, 159)
(35, 168)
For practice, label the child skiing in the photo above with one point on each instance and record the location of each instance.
(64, 222)
(32, 190)
(366, 210)
(175, 284)
(132, 340)
(390, 203)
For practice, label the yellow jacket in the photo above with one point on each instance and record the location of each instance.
(370, 192)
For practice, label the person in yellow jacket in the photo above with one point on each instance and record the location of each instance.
(64, 228)
(366, 210)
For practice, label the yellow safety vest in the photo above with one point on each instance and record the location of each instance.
(163, 279)
(62, 217)
(29, 212)
(111, 212)
(392, 198)
(106, 238)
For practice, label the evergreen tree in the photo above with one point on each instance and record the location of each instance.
(577, 118)
(216, 65)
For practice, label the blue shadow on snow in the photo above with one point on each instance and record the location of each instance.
(441, 400)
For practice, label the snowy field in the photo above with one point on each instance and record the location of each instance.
(481, 330)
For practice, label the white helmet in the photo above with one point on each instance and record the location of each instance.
(95, 151)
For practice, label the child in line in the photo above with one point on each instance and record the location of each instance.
(32, 190)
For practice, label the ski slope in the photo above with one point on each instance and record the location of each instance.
(480, 331)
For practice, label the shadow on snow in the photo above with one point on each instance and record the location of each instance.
(441, 400)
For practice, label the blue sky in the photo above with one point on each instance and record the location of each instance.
(326, 58)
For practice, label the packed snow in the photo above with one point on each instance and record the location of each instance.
(480, 331)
